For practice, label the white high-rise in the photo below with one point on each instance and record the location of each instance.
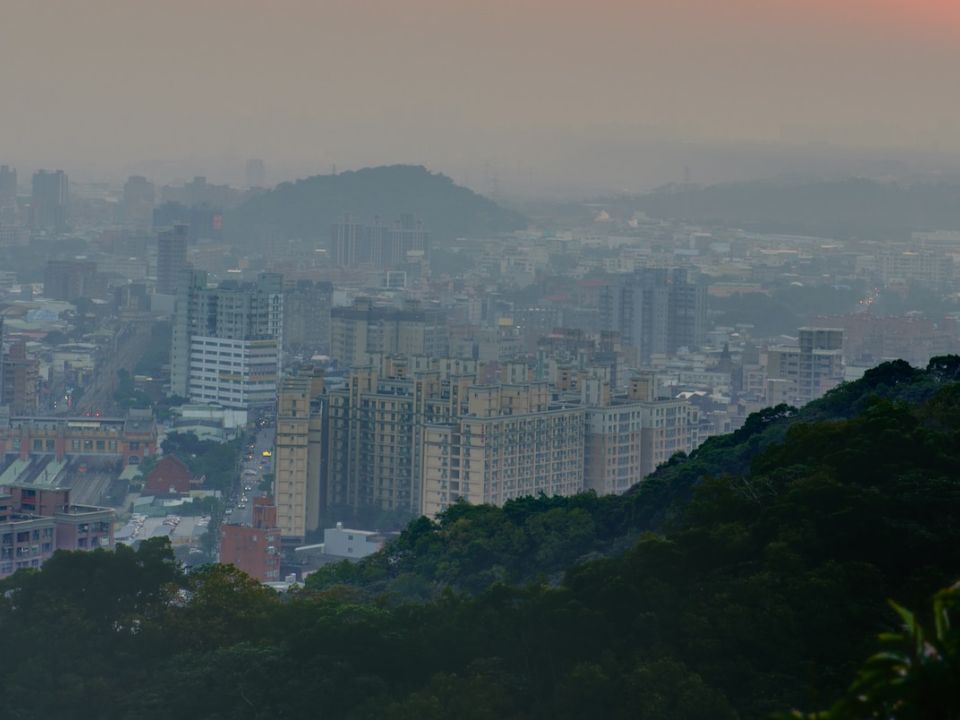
(227, 341)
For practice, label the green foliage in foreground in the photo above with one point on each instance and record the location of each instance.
(761, 590)
(915, 675)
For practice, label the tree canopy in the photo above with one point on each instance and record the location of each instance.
(748, 579)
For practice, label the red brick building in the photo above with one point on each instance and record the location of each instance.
(254, 550)
(171, 475)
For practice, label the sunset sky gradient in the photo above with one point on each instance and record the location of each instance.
(106, 87)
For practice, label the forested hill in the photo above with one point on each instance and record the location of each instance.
(538, 539)
(850, 208)
(307, 208)
(761, 588)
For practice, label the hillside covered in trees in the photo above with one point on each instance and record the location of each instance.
(306, 209)
(848, 208)
(747, 579)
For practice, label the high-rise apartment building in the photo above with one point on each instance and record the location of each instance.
(227, 340)
(136, 205)
(656, 311)
(171, 259)
(416, 434)
(628, 437)
(512, 441)
(800, 373)
(50, 201)
(298, 456)
(306, 316)
(366, 328)
(376, 425)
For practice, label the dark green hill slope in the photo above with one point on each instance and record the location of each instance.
(307, 208)
(469, 548)
(761, 589)
(854, 207)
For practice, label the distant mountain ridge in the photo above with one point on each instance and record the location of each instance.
(842, 209)
(307, 208)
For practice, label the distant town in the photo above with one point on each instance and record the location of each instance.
(280, 390)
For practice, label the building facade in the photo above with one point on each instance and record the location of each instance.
(306, 316)
(366, 328)
(171, 258)
(656, 311)
(50, 201)
(36, 522)
(227, 340)
(254, 549)
(798, 374)
(298, 456)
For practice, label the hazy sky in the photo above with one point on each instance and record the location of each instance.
(173, 87)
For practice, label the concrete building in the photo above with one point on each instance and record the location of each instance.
(376, 427)
(131, 438)
(35, 522)
(809, 369)
(629, 436)
(298, 456)
(513, 441)
(366, 328)
(341, 542)
(656, 311)
(306, 316)
(254, 549)
(227, 340)
(171, 259)
(19, 387)
(8, 196)
(50, 201)
(354, 244)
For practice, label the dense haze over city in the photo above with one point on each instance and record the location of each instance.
(523, 360)
(552, 97)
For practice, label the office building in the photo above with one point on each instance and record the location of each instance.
(136, 204)
(171, 259)
(354, 244)
(50, 201)
(656, 311)
(306, 316)
(226, 341)
(298, 456)
(365, 328)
